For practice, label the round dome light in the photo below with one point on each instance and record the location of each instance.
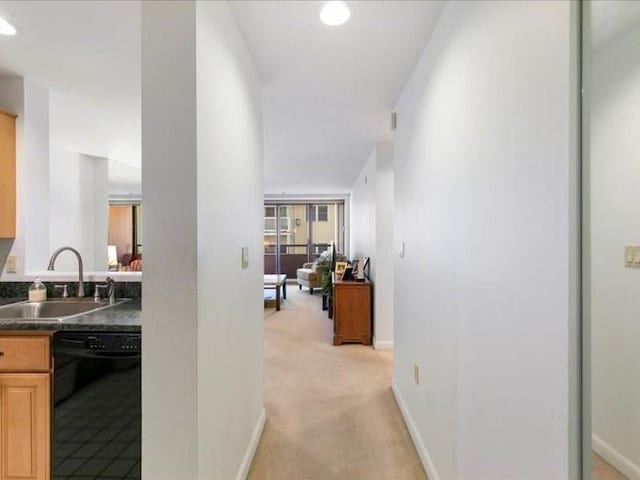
(335, 12)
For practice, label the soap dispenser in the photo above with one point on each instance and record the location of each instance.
(37, 291)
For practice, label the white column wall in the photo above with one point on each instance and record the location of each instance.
(35, 176)
(363, 214)
(482, 296)
(203, 192)
(31, 102)
(96, 192)
(384, 251)
(372, 235)
(79, 211)
(169, 290)
(615, 301)
(230, 216)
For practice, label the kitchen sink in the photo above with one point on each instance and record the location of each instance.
(52, 309)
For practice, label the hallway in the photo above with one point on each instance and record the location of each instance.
(330, 410)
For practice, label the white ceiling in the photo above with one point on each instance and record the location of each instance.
(328, 91)
(88, 55)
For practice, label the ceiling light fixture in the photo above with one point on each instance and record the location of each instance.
(6, 28)
(335, 12)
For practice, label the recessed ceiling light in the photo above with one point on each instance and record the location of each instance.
(6, 28)
(335, 12)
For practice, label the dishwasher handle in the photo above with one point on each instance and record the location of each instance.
(83, 353)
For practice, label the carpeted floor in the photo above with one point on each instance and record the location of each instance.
(603, 471)
(330, 410)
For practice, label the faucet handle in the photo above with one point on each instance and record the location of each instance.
(111, 292)
(110, 286)
(65, 291)
(96, 293)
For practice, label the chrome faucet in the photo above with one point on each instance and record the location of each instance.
(52, 261)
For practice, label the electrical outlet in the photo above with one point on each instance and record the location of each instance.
(12, 264)
(416, 374)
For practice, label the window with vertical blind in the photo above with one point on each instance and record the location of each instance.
(300, 233)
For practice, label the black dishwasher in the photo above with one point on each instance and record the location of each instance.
(97, 413)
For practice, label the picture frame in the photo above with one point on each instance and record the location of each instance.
(362, 265)
(348, 274)
(340, 268)
(354, 264)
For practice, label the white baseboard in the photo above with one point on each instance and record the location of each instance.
(253, 445)
(615, 458)
(382, 345)
(425, 458)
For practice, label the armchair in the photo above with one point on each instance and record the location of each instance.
(310, 276)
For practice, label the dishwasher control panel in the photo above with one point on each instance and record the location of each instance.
(113, 343)
(98, 342)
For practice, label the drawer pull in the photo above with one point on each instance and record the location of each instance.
(1, 354)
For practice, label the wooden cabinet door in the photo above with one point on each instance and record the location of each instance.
(7, 175)
(352, 313)
(25, 416)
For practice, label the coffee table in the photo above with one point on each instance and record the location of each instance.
(276, 282)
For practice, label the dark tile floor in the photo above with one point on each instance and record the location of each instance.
(97, 430)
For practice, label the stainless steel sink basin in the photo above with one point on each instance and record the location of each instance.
(52, 309)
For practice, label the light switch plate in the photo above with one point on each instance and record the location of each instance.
(628, 255)
(632, 256)
(245, 257)
(12, 264)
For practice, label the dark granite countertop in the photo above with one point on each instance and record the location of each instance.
(124, 317)
(7, 301)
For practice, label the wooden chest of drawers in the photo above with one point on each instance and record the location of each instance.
(352, 312)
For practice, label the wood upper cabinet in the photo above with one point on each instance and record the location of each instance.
(25, 407)
(352, 312)
(7, 175)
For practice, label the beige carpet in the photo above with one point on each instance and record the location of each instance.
(603, 471)
(330, 410)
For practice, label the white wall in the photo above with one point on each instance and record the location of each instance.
(169, 300)
(383, 301)
(59, 201)
(482, 190)
(615, 307)
(79, 212)
(372, 235)
(230, 199)
(202, 185)
(363, 214)
(31, 102)
(35, 176)
(125, 181)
